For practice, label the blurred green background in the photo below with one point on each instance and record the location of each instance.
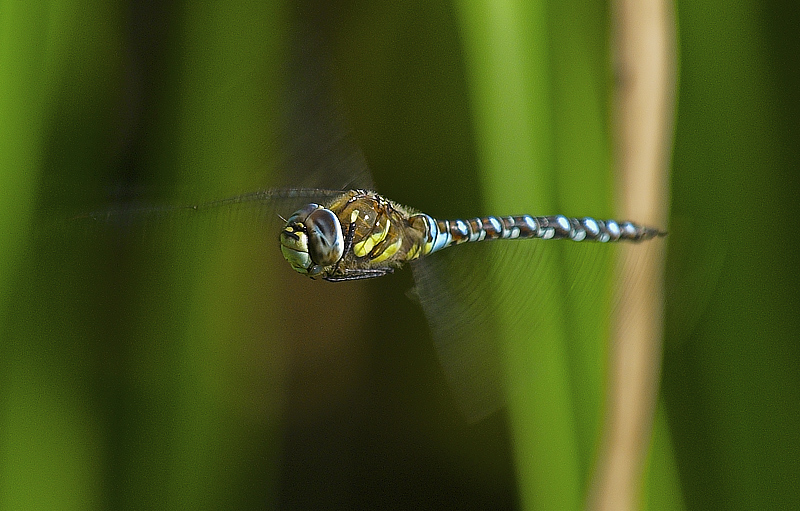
(190, 368)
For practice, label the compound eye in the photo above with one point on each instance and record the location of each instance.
(325, 238)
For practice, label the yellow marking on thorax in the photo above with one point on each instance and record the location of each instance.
(413, 253)
(365, 246)
(389, 251)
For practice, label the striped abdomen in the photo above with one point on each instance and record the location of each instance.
(445, 233)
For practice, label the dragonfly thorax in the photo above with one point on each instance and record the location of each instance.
(312, 240)
(357, 235)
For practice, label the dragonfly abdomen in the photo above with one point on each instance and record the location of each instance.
(446, 233)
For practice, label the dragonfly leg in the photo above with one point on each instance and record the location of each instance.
(338, 275)
(359, 274)
(348, 244)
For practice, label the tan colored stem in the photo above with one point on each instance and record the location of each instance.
(644, 41)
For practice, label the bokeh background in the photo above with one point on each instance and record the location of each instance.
(185, 366)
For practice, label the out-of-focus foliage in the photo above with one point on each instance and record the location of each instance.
(188, 367)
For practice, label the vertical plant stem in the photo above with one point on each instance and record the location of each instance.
(644, 42)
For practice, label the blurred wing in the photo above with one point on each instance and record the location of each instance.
(259, 214)
(322, 151)
(483, 300)
(455, 296)
(322, 159)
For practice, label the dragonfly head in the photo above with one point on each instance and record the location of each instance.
(312, 240)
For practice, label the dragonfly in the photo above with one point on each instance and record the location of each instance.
(360, 235)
